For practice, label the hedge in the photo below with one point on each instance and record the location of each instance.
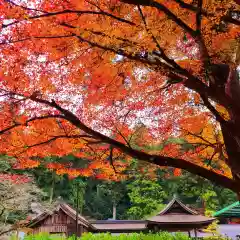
(108, 236)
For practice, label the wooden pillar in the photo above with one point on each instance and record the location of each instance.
(77, 211)
(17, 234)
(189, 233)
(195, 233)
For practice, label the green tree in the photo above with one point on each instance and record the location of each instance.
(77, 193)
(196, 191)
(146, 196)
(102, 196)
(114, 192)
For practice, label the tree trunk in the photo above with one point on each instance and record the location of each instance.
(52, 188)
(231, 129)
(114, 211)
(232, 144)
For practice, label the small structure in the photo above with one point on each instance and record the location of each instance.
(174, 217)
(229, 214)
(178, 217)
(61, 221)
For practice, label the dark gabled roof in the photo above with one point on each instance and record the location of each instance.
(38, 219)
(67, 209)
(72, 213)
(175, 213)
(175, 202)
(232, 210)
(178, 213)
(119, 225)
(181, 219)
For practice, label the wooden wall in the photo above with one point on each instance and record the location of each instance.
(59, 222)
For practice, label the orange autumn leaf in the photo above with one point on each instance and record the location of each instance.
(112, 81)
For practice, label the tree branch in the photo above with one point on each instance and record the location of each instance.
(8, 231)
(200, 137)
(100, 34)
(156, 159)
(211, 158)
(162, 53)
(28, 121)
(58, 137)
(78, 12)
(111, 158)
(2, 211)
(188, 6)
(199, 16)
(194, 34)
(168, 13)
(35, 37)
(212, 109)
(230, 19)
(23, 7)
(193, 8)
(132, 56)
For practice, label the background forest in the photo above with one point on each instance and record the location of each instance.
(137, 197)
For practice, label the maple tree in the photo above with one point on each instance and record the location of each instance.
(79, 76)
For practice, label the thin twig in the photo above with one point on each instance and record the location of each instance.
(199, 16)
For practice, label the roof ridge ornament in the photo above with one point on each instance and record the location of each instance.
(175, 196)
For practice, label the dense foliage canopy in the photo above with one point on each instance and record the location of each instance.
(112, 80)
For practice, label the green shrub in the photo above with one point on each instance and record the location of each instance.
(135, 236)
(217, 238)
(44, 236)
(108, 236)
(131, 236)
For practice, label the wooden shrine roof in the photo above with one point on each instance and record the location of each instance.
(120, 225)
(67, 209)
(178, 213)
(175, 215)
(232, 210)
